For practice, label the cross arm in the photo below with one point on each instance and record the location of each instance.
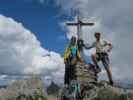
(87, 24)
(72, 24)
(80, 23)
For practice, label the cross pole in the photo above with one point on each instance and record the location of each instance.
(79, 25)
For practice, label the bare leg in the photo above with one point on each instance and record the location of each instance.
(109, 73)
(95, 62)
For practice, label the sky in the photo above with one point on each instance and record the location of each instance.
(33, 35)
(30, 32)
(42, 19)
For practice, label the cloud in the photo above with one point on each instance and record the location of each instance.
(114, 19)
(2, 77)
(21, 52)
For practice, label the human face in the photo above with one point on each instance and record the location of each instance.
(97, 36)
(73, 41)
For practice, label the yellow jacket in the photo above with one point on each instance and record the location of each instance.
(68, 52)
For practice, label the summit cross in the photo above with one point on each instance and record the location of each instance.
(79, 24)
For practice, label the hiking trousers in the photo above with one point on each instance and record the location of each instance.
(70, 73)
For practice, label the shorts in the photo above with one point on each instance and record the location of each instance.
(104, 58)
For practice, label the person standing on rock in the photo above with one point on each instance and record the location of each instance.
(103, 48)
(71, 57)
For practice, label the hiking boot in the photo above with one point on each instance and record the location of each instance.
(111, 82)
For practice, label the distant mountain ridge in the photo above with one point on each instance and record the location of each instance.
(53, 89)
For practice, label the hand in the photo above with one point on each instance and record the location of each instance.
(109, 50)
(82, 61)
(65, 61)
(74, 61)
(110, 47)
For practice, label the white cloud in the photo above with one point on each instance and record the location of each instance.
(114, 20)
(2, 77)
(21, 52)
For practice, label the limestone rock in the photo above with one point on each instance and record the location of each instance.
(86, 73)
(53, 89)
(91, 89)
(28, 89)
(107, 92)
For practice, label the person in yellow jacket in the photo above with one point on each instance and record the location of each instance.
(71, 57)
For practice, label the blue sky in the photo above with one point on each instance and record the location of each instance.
(41, 19)
(113, 18)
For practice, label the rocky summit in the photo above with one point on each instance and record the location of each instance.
(86, 73)
(91, 89)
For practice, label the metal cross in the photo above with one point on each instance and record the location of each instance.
(79, 25)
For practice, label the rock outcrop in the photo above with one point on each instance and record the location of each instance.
(28, 89)
(53, 89)
(91, 89)
(86, 73)
(106, 92)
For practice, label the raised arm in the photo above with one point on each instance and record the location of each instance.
(88, 46)
(109, 44)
